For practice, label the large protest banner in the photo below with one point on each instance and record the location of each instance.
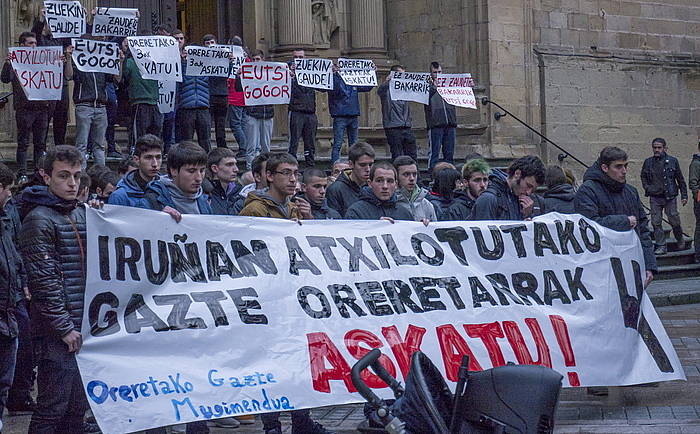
(357, 72)
(456, 89)
(410, 86)
(66, 19)
(208, 318)
(96, 56)
(40, 71)
(208, 61)
(115, 22)
(315, 73)
(166, 96)
(157, 57)
(265, 83)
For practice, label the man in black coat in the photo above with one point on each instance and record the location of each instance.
(378, 199)
(346, 189)
(314, 186)
(559, 196)
(475, 177)
(52, 243)
(303, 122)
(223, 171)
(662, 179)
(606, 198)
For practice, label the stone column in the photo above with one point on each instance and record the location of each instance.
(294, 24)
(368, 27)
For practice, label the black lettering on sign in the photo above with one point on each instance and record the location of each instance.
(298, 259)
(243, 305)
(108, 324)
(454, 237)
(489, 254)
(374, 298)
(303, 297)
(181, 305)
(138, 315)
(399, 293)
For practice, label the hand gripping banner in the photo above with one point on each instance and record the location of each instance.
(218, 316)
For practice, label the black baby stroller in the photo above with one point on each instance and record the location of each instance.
(506, 399)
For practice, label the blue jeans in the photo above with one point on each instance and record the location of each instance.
(236, 121)
(341, 124)
(442, 137)
(61, 402)
(8, 353)
(168, 130)
(91, 122)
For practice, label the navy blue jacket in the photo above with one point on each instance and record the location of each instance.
(342, 193)
(460, 209)
(560, 198)
(662, 177)
(498, 201)
(128, 193)
(223, 202)
(192, 92)
(369, 207)
(343, 100)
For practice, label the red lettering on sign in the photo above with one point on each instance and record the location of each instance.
(403, 349)
(353, 339)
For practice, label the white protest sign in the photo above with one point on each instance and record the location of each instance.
(66, 19)
(265, 83)
(357, 72)
(96, 56)
(316, 73)
(456, 89)
(157, 57)
(39, 70)
(410, 86)
(218, 316)
(166, 96)
(238, 57)
(115, 22)
(207, 61)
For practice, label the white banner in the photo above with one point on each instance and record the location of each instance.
(66, 19)
(40, 71)
(208, 61)
(456, 89)
(115, 22)
(238, 58)
(265, 83)
(96, 56)
(166, 96)
(218, 316)
(157, 57)
(357, 72)
(410, 86)
(316, 73)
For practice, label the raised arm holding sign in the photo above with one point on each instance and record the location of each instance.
(115, 22)
(39, 70)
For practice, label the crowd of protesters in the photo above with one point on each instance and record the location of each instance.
(42, 226)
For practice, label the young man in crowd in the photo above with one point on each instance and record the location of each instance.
(132, 187)
(181, 191)
(441, 122)
(192, 104)
(344, 106)
(662, 179)
(559, 196)
(607, 198)
(259, 181)
(337, 168)
(259, 122)
(302, 115)
(223, 172)
(314, 186)
(346, 189)
(694, 184)
(475, 180)
(281, 172)
(378, 199)
(508, 194)
(32, 116)
(52, 243)
(409, 194)
(104, 182)
(218, 99)
(396, 119)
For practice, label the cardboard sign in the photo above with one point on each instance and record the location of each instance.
(66, 19)
(410, 86)
(166, 96)
(157, 57)
(39, 70)
(357, 72)
(96, 56)
(316, 73)
(207, 61)
(238, 58)
(216, 316)
(265, 83)
(115, 22)
(456, 89)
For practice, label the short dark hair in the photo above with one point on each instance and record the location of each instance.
(403, 160)
(162, 28)
(177, 32)
(313, 172)
(434, 65)
(208, 37)
(85, 182)
(24, 35)
(359, 149)
(7, 176)
(65, 153)
(148, 142)
(277, 158)
(610, 154)
(445, 181)
(217, 154)
(382, 165)
(529, 165)
(473, 166)
(103, 178)
(124, 165)
(396, 67)
(185, 153)
(260, 53)
(257, 165)
(554, 175)
(659, 140)
(237, 41)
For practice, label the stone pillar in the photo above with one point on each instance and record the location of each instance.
(367, 27)
(294, 24)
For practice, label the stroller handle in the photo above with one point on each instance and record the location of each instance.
(372, 359)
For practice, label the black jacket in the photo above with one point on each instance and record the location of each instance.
(498, 201)
(560, 198)
(369, 207)
(441, 204)
(10, 276)
(438, 113)
(343, 193)
(662, 177)
(52, 244)
(395, 114)
(322, 211)
(302, 99)
(90, 87)
(460, 209)
(223, 202)
(218, 86)
(609, 203)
